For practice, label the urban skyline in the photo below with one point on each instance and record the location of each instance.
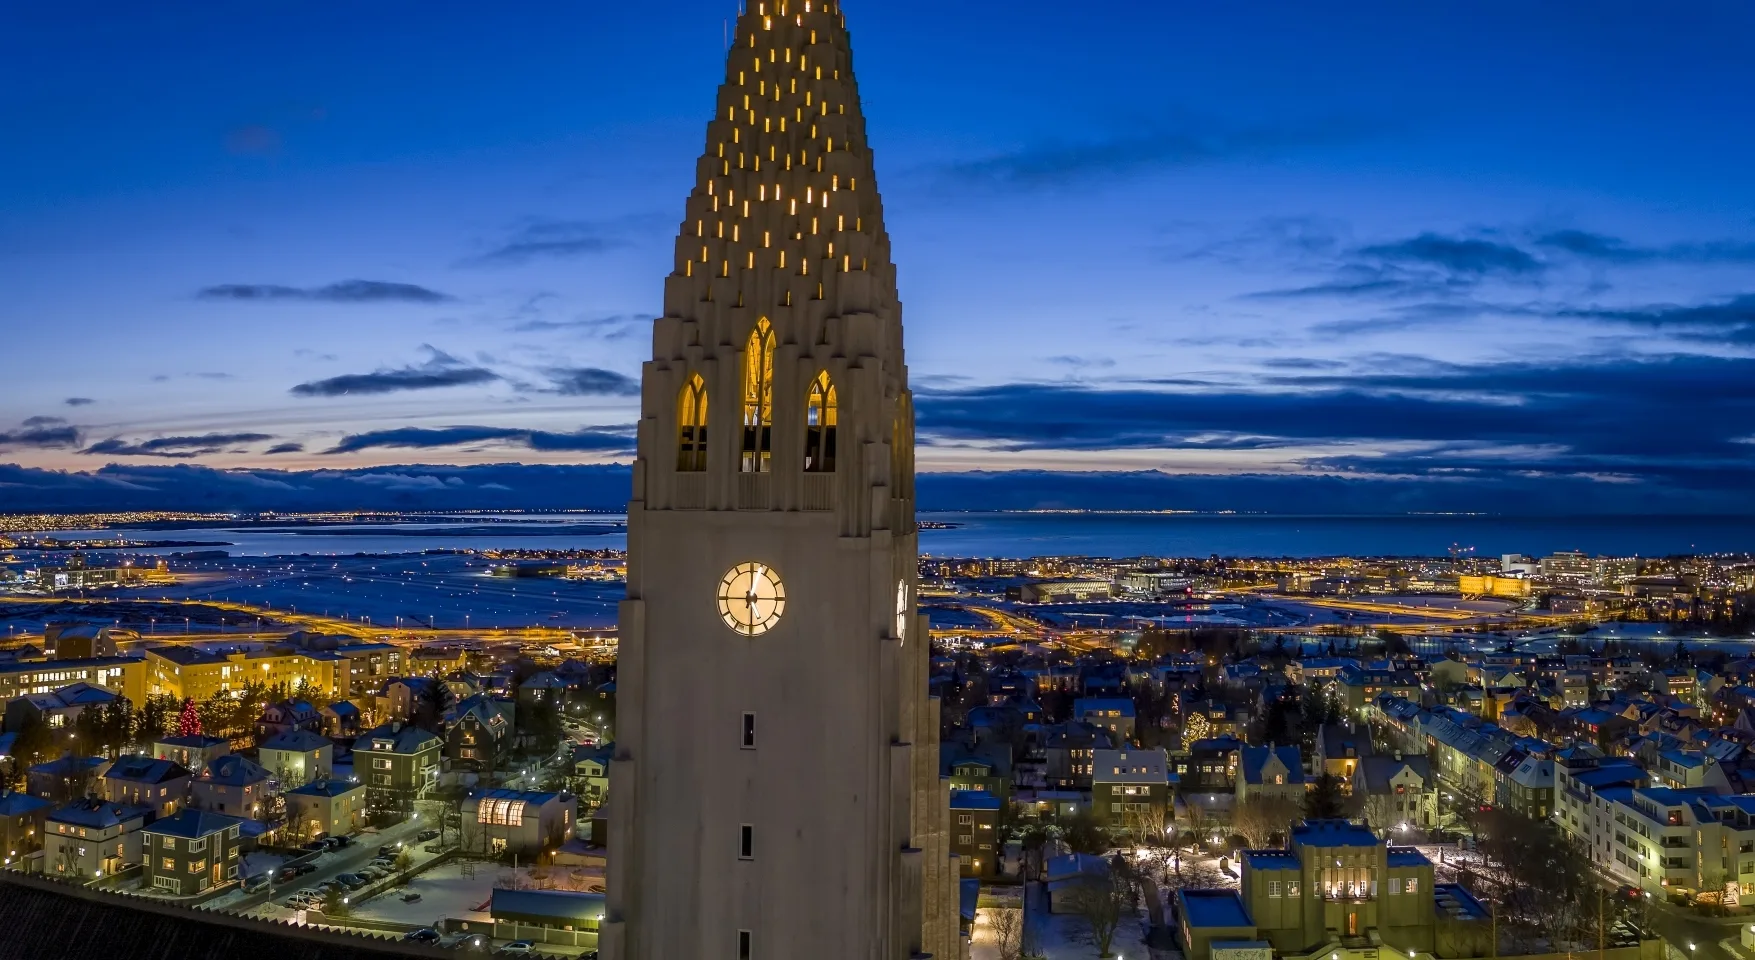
(1392, 246)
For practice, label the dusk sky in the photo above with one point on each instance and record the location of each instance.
(1427, 242)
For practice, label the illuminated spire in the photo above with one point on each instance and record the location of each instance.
(785, 207)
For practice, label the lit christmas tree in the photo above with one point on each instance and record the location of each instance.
(189, 724)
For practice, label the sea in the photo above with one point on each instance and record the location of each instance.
(1023, 535)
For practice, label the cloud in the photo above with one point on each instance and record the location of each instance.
(590, 440)
(1457, 255)
(617, 327)
(41, 433)
(281, 448)
(1728, 321)
(1193, 142)
(79, 401)
(1082, 363)
(439, 371)
(539, 239)
(1602, 247)
(592, 382)
(173, 448)
(346, 291)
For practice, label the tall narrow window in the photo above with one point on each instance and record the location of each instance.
(758, 399)
(746, 842)
(749, 731)
(691, 422)
(819, 426)
(743, 945)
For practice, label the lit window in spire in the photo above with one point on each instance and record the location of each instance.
(758, 399)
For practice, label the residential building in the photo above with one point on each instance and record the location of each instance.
(1113, 714)
(1271, 772)
(1069, 752)
(231, 785)
(1065, 875)
(985, 767)
(1396, 792)
(288, 716)
(1210, 766)
(590, 779)
(67, 778)
(560, 917)
(159, 786)
(191, 752)
(22, 817)
(123, 675)
(478, 732)
(398, 764)
(529, 824)
(1339, 748)
(1580, 773)
(298, 757)
(1130, 790)
(332, 808)
(975, 832)
(91, 838)
(193, 673)
(191, 852)
(58, 708)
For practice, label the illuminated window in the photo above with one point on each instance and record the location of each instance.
(691, 419)
(500, 813)
(821, 414)
(758, 399)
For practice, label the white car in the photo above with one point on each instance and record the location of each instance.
(518, 948)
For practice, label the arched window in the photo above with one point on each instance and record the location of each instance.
(691, 426)
(819, 426)
(758, 399)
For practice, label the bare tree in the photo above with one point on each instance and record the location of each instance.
(1378, 809)
(1008, 932)
(1262, 817)
(1099, 903)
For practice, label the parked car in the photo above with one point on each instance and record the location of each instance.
(518, 948)
(425, 835)
(342, 841)
(423, 935)
(315, 845)
(411, 898)
(306, 868)
(351, 881)
(258, 882)
(389, 849)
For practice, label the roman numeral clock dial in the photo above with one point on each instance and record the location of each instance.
(751, 599)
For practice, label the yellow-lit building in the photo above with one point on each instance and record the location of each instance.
(1510, 588)
(123, 675)
(184, 672)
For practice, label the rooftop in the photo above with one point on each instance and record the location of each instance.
(1332, 833)
(1214, 908)
(973, 800)
(192, 824)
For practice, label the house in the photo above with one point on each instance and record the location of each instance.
(191, 852)
(160, 786)
(1068, 751)
(1214, 925)
(192, 752)
(67, 778)
(297, 757)
(1397, 792)
(326, 808)
(399, 698)
(1114, 714)
(1338, 879)
(590, 779)
(529, 824)
(1210, 765)
(58, 708)
(398, 764)
(1339, 748)
(975, 833)
(231, 785)
(543, 688)
(91, 838)
(986, 767)
(1066, 874)
(1272, 772)
(478, 732)
(1130, 791)
(22, 817)
(341, 719)
(288, 716)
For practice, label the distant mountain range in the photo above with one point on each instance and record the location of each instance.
(512, 486)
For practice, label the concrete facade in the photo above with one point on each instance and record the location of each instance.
(776, 774)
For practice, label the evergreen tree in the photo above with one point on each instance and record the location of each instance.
(1325, 800)
(189, 722)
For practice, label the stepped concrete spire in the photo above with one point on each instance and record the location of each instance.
(775, 789)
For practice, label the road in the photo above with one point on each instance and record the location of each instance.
(346, 860)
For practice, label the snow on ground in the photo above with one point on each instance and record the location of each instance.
(445, 891)
(1059, 937)
(258, 862)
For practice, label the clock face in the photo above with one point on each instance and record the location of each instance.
(751, 599)
(902, 610)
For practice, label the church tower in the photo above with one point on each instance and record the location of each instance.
(775, 791)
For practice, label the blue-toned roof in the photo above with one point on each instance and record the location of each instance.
(1332, 833)
(1273, 859)
(1407, 857)
(196, 741)
(1121, 704)
(138, 769)
(192, 824)
(527, 796)
(68, 766)
(100, 814)
(1456, 901)
(969, 897)
(973, 800)
(1610, 775)
(299, 741)
(233, 771)
(1255, 758)
(563, 905)
(19, 804)
(1214, 908)
(327, 788)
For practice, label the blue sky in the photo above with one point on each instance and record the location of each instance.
(1428, 243)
